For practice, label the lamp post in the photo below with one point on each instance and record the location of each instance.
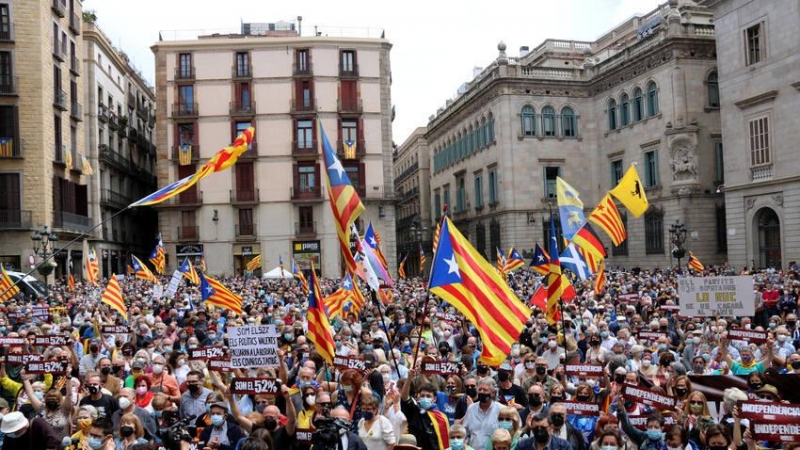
(677, 235)
(417, 230)
(44, 243)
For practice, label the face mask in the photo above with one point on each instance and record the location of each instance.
(217, 419)
(425, 403)
(543, 340)
(39, 395)
(505, 425)
(698, 369)
(696, 409)
(608, 447)
(747, 359)
(782, 338)
(645, 363)
(619, 379)
(457, 444)
(552, 344)
(347, 388)
(555, 399)
(311, 400)
(93, 389)
(85, 425)
(194, 388)
(51, 404)
(483, 398)
(369, 415)
(158, 368)
(791, 323)
(541, 435)
(124, 402)
(583, 398)
(93, 348)
(604, 334)
(157, 414)
(386, 377)
(471, 392)
(126, 430)
(696, 340)
(535, 400)
(655, 435)
(558, 420)
(662, 347)
(141, 390)
(772, 325)
(94, 443)
(105, 370)
(795, 365)
(681, 391)
(451, 390)
(541, 370)
(288, 336)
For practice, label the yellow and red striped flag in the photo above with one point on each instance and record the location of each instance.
(501, 263)
(436, 237)
(335, 302)
(141, 271)
(514, 261)
(319, 327)
(215, 294)
(92, 267)
(255, 264)
(357, 299)
(460, 276)
(7, 288)
(187, 269)
(556, 281)
(112, 296)
(607, 216)
(401, 269)
(421, 260)
(71, 283)
(600, 281)
(158, 258)
(695, 263)
(386, 296)
(300, 277)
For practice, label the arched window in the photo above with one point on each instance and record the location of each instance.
(569, 124)
(624, 111)
(612, 114)
(652, 99)
(482, 133)
(638, 105)
(528, 121)
(713, 89)
(490, 129)
(548, 121)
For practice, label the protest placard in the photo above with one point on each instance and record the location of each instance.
(770, 412)
(174, 283)
(776, 432)
(440, 367)
(43, 367)
(640, 421)
(447, 317)
(10, 341)
(651, 335)
(207, 353)
(630, 298)
(649, 398)
(23, 358)
(582, 408)
(716, 296)
(115, 329)
(50, 341)
(256, 386)
(753, 337)
(583, 370)
(304, 436)
(349, 362)
(219, 365)
(253, 346)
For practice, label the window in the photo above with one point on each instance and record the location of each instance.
(654, 232)
(238, 128)
(550, 175)
(754, 44)
(622, 248)
(759, 141)
(354, 172)
(302, 61)
(713, 89)
(490, 130)
(5, 22)
(348, 61)
(624, 112)
(638, 105)
(186, 99)
(478, 190)
(446, 196)
(480, 239)
(493, 194)
(305, 134)
(616, 172)
(189, 225)
(722, 230)
(6, 73)
(242, 64)
(612, 114)
(569, 124)
(185, 134)
(306, 216)
(246, 227)
(245, 181)
(461, 194)
(652, 99)
(437, 206)
(59, 140)
(305, 92)
(719, 164)
(528, 122)
(10, 200)
(548, 121)
(243, 97)
(482, 133)
(349, 130)
(651, 169)
(307, 174)
(185, 65)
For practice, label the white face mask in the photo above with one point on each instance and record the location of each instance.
(311, 400)
(386, 377)
(158, 368)
(124, 402)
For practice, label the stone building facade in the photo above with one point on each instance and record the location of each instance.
(759, 83)
(273, 202)
(412, 184)
(645, 93)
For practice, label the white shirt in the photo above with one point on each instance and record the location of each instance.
(481, 424)
(380, 436)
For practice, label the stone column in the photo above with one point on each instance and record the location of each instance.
(679, 97)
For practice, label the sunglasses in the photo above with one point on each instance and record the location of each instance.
(695, 403)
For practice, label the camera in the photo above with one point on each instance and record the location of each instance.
(174, 430)
(326, 437)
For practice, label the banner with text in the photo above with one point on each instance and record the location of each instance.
(716, 296)
(253, 346)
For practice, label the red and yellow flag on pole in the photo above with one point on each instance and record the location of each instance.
(319, 326)
(71, 283)
(112, 296)
(7, 288)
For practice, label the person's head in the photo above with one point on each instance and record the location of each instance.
(471, 386)
(677, 437)
(453, 385)
(142, 385)
(717, 437)
(732, 396)
(584, 393)
(557, 393)
(53, 399)
(130, 425)
(683, 386)
(655, 427)
(487, 390)
(536, 396)
(557, 415)
(610, 440)
(218, 412)
(104, 366)
(746, 355)
(508, 419)
(768, 393)
(86, 415)
(14, 424)
(501, 439)
(255, 443)
(340, 412)
(194, 382)
(696, 404)
(426, 396)
(351, 381)
(272, 417)
(159, 403)
(323, 403)
(540, 427)
(101, 431)
(94, 385)
(369, 406)
(304, 376)
(698, 365)
(457, 436)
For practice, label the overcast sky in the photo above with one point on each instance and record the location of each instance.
(436, 43)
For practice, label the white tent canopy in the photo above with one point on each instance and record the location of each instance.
(276, 274)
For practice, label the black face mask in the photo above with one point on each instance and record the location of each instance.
(116, 369)
(795, 365)
(126, 430)
(541, 435)
(681, 391)
(663, 328)
(93, 389)
(756, 386)
(557, 420)
(541, 370)
(583, 398)
(619, 379)
(270, 424)
(93, 348)
(791, 323)
(471, 392)
(484, 397)
(535, 400)
(594, 343)
(555, 399)
(503, 376)
(105, 370)
(51, 404)
(194, 388)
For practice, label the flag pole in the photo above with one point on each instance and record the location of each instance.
(560, 299)
(383, 321)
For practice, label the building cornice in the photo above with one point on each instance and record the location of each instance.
(257, 43)
(757, 100)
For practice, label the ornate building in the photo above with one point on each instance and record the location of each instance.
(759, 84)
(645, 93)
(412, 177)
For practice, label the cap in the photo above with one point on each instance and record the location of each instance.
(506, 366)
(137, 365)
(768, 389)
(407, 441)
(3, 403)
(12, 422)
(219, 405)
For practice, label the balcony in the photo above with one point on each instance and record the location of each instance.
(75, 24)
(112, 121)
(76, 112)
(305, 229)
(245, 196)
(242, 109)
(761, 173)
(133, 134)
(10, 148)
(349, 71)
(141, 111)
(190, 197)
(8, 34)
(191, 156)
(142, 142)
(60, 100)
(76, 167)
(409, 194)
(8, 85)
(360, 149)
(112, 158)
(58, 52)
(16, 220)
(59, 7)
(247, 231)
(70, 221)
(131, 100)
(184, 73)
(102, 113)
(302, 70)
(151, 120)
(75, 65)
(306, 194)
(251, 152)
(406, 173)
(300, 148)
(350, 105)
(184, 109)
(60, 154)
(303, 106)
(190, 233)
(241, 72)
(113, 200)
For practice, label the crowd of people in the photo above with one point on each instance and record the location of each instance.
(140, 389)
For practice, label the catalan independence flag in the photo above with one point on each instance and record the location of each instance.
(373, 239)
(695, 263)
(187, 269)
(112, 296)
(436, 237)
(514, 261)
(158, 257)
(556, 281)
(335, 302)
(541, 260)
(71, 283)
(255, 264)
(600, 280)
(215, 294)
(344, 200)
(357, 299)
(401, 269)
(460, 276)
(141, 271)
(7, 288)
(223, 160)
(319, 327)
(421, 260)
(92, 267)
(300, 277)
(501, 262)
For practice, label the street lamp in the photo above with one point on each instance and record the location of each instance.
(417, 230)
(677, 235)
(44, 243)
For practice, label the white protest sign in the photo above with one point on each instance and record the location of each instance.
(253, 346)
(174, 282)
(716, 296)
(158, 291)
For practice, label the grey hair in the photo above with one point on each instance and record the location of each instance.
(679, 368)
(458, 428)
(486, 381)
(90, 409)
(731, 396)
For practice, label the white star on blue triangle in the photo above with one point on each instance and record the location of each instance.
(445, 270)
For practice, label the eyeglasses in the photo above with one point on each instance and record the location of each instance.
(324, 404)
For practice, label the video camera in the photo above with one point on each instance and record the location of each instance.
(326, 437)
(174, 429)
